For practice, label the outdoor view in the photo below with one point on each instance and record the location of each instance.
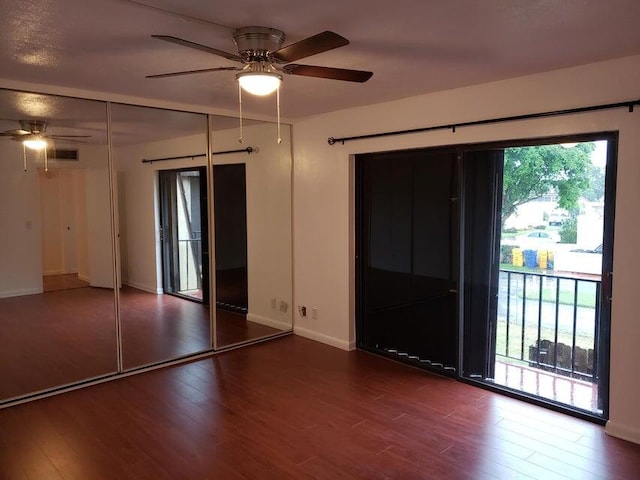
(550, 271)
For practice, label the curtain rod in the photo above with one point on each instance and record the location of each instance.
(151, 160)
(608, 106)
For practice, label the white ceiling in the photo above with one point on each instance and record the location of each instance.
(412, 46)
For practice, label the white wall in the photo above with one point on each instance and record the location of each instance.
(26, 209)
(323, 192)
(20, 225)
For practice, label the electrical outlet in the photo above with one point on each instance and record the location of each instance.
(284, 306)
(302, 310)
(273, 303)
(314, 313)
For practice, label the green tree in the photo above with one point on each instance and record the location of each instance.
(595, 191)
(569, 231)
(532, 172)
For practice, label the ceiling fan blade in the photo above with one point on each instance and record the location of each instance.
(197, 46)
(11, 133)
(66, 140)
(327, 72)
(62, 137)
(189, 72)
(319, 43)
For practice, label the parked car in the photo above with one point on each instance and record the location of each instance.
(533, 239)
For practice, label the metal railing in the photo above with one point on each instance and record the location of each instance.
(550, 322)
(190, 264)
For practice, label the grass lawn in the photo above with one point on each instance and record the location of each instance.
(585, 298)
(507, 267)
(565, 297)
(531, 336)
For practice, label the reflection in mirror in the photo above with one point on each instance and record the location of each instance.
(252, 211)
(57, 315)
(163, 242)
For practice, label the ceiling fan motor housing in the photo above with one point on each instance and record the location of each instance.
(33, 126)
(257, 43)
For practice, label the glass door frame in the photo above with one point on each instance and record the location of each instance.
(604, 317)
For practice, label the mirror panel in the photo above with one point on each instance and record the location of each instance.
(252, 207)
(57, 296)
(57, 303)
(163, 244)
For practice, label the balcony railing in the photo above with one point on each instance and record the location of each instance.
(549, 322)
(190, 261)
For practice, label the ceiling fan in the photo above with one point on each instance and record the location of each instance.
(264, 58)
(32, 135)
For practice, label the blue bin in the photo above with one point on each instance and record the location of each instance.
(530, 258)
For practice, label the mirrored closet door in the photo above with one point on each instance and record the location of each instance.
(123, 242)
(160, 169)
(252, 211)
(57, 302)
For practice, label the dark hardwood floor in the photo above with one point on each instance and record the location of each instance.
(293, 408)
(68, 335)
(160, 327)
(55, 338)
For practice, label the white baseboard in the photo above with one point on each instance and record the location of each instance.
(322, 338)
(270, 322)
(624, 432)
(145, 288)
(48, 273)
(19, 293)
(84, 278)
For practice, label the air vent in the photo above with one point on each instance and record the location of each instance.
(62, 154)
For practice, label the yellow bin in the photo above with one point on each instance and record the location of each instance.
(517, 257)
(543, 255)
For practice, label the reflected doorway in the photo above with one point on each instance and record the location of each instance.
(230, 206)
(184, 233)
(64, 230)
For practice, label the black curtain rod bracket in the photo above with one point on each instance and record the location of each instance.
(248, 150)
(554, 113)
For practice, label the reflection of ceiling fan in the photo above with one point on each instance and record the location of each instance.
(261, 52)
(32, 135)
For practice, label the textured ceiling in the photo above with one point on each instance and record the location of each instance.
(412, 46)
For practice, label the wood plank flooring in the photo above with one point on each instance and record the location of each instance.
(68, 335)
(55, 338)
(292, 408)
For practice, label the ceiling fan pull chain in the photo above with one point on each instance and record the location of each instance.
(24, 156)
(240, 103)
(278, 107)
(46, 160)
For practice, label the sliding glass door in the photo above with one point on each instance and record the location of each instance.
(407, 263)
(183, 195)
(530, 311)
(538, 250)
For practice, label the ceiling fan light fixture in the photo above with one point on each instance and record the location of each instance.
(259, 83)
(35, 142)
